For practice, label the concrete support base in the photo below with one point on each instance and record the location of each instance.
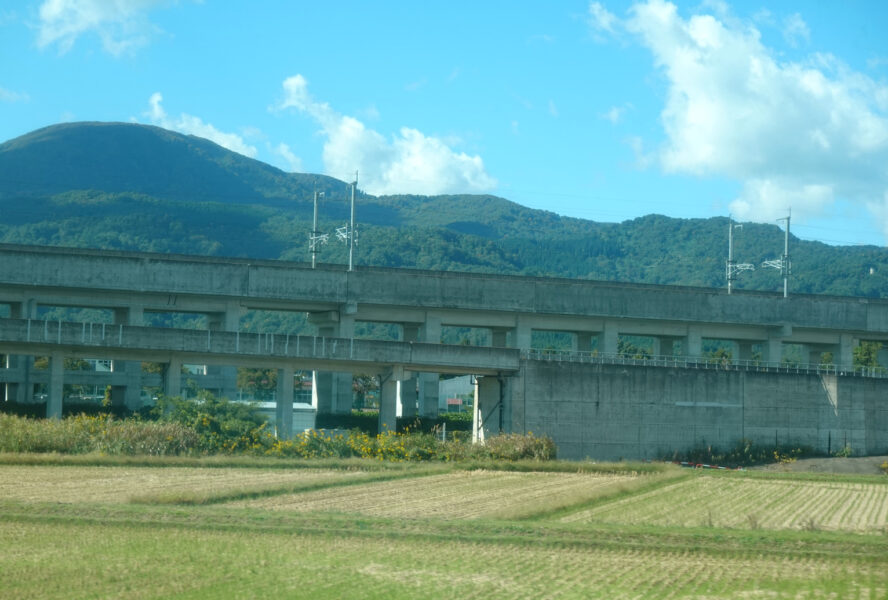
(407, 396)
(56, 386)
(284, 404)
(388, 399)
(488, 410)
(172, 378)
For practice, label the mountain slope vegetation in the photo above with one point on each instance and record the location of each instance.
(136, 187)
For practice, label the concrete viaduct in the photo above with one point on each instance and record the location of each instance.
(526, 392)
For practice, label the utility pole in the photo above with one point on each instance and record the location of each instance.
(316, 238)
(351, 238)
(732, 268)
(348, 234)
(783, 263)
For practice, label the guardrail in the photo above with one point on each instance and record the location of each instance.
(707, 363)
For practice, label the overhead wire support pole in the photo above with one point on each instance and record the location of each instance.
(351, 237)
(316, 238)
(783, 263)
(733, 268)
(348, 233)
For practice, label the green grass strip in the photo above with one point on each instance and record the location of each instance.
(203, 497)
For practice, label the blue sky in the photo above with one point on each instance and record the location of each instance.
(605, 110)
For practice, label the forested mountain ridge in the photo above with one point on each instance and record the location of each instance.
(137, 187)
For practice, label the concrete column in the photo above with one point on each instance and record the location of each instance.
(744, 350)
(656, 346)
(815, 353)
(227, 320)
(388, 396)
(284, 401)
(172, 378)
(498, 337)
(692, 344)
(332, 392)
(582, 341)
(56, 386)
(844, 358)
(130, 393)
(22, 391)
(430, 333)
(407, 396)
(609, 338)
(407, 389)
(523, 335)
(486, 415)
(772, 350)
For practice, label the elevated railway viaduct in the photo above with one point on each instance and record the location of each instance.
(590, 400)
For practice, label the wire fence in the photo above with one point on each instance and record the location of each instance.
(701, 362)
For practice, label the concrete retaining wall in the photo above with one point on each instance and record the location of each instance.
(612, 412)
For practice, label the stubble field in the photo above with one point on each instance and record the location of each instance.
(440, 532)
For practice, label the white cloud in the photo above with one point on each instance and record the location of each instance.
(192, 125)
(293, 161)
(615, 113)
(409, 162)
(10, 96)
(601, 19)
(120, 24)
(795, 30)
(799, 134)
(553, 110)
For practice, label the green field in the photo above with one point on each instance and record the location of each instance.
(258, 529)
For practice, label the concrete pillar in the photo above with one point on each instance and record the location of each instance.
(609, 338)
(498, 337)
(407, 389)
(407, 395)
(844, 358)
(23, 390)
(657, 346)
(172, 378)
(56, 386)
(333, 392)
(772, 350)
(227, 320)
(487, 410)
(130, 393)
(284, 403)
(427, 397)
(692, 343)
(523, 335)
(582, 341)
(388, 396)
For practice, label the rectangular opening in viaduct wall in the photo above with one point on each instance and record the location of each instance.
(175, 320)
(369, 330)
(466, 336)
(5, 311)
(74, 314)
(276, 321)
(541, 339)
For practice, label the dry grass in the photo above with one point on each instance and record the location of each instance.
(458, 495)
(741, 502)
(121, 484)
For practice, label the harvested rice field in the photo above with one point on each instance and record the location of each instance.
(133, 532)
(122, 484)
(742, 502)
(458, 495)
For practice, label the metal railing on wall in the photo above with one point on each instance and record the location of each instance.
(700, 362)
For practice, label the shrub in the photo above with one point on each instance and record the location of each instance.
(745, 453)
(221, 425)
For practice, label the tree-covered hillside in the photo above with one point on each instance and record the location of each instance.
(136, 187)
